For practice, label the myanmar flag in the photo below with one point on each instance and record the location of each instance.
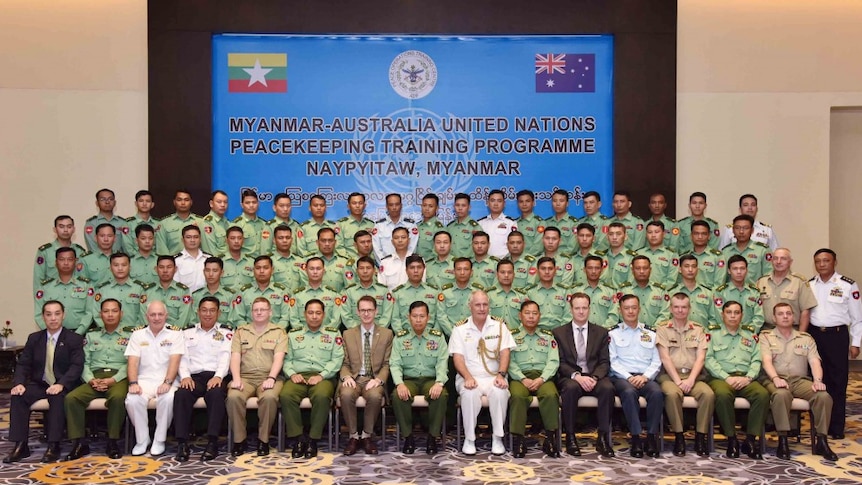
(257, 73)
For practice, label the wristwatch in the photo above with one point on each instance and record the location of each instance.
(504, 374)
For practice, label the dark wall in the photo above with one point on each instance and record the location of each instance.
(180, 116)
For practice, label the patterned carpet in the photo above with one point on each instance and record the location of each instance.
(451, 466)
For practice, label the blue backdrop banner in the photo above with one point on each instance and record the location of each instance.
(413, 115)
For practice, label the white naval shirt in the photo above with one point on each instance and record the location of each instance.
(154, 351)
(498, 232)
(759, 233)
(190, 270)
(465, 341)
(381, 236)
(206, 351)
(838, 304)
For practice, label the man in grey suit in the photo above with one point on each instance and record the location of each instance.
(49, 366)
(584, 367)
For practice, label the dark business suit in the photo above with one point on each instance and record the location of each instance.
(381, 348)
(598, 366)
(30, 371)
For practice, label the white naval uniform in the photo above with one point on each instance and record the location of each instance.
(190, 270)
(498, 233)
(761, 233)
(205, 351)
(381, 236)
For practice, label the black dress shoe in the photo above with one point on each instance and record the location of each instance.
(182, 452)
(751, 448)
(783, 449)
(519, 448)
(409, 446)
(431, 446)
(299, 448)
(836, 436)
(732, 447)
(113, 450)
(701, 444)
(572, 447)
(637, 449)
(821, 447)
(652, 450)
(679, 444)
(52, 454)
(549, 447)
(262, 448)
(20, 452)
(311, 452)
(211, 451)
(78, 450)
(238, 448)
(603, 447)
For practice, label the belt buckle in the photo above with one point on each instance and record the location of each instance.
(685, 370)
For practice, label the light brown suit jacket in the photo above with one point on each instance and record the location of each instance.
(381, 348)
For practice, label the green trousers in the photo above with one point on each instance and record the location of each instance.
(758, 399)
(79, 398)
(520, 399)
(403, 410)
(320, 395)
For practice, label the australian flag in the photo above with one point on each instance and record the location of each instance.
(565, 73)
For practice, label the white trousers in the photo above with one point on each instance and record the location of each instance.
(471, 404)
(136, 407)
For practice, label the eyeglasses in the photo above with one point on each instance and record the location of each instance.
(366, 310)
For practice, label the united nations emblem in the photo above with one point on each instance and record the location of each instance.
(413, 74)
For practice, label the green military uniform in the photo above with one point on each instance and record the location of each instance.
(462, 237)
(568, 226)
(577, 260)
(268, 245)
(485, 272)
(104, 357)
(178, 299)
(336, 269)
(564, 275)
(635, 230)
(684, 244)
(332, 303)
(238, 272)
(257, 353)
(439, 273)
(736, 354)
(532, 227)
(711, 267)
(506, 305)
(131, 294)
(748, 297)
(127, 236)
(254, 231)
(76, 297)
(759, 258)
(535, 356)
(618, 267)
(600, 222)
(96, 267)
(305, 240)
(279, 300)
(553, 304)
(664, 265)
(169, 233)
(214, 233)
(46, 261)
(419, 362)
(226, 297)
(90, 232)
(683, 346)
(289, 271)
(671, 232)
(525, 274)
(793, 290)
(425, 244)
(405, 295)
(603, 304)
(143, 269)
(702, 304)
(346, 228)
(453, 305)
(380, 293)
(790, 360)
(653, 299)
(310, 353)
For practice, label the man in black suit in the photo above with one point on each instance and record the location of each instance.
(584, 367)
(50, 365)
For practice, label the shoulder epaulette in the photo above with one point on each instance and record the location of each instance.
(380, 220)
(327, 287)
(331, 329)
(764, 224)
(402, 333)
(715, 251)
(631, 252)
(768, 332)
(722, 287)
(85, 254)
(753, 286)
(181, 286)
(237, 220)
(171, 326)
(601, 252)
(439, 224)
(625, 284)
(797, 275)
(461, 322)
(665, 323)
(522, 291)
(658, 285)
(711, 221)
(147, 286)
(436, 332)
(496, 319)
(546, 331)
(429, 285)
(446, 286)
(529, 258)
(411, 221)
(46, 281)
(747, 327)
(343, 219)
(758, 243)
(713, 326)
(208, 217)
(292, 330)
(528, 288)
(727, 246)
(83, 279)
(299, 290)
(493, 288)
(729, 226)
(515, 331)
(44, 246)
(384, 257)
(106, 283)
(848, 280)
(245, 287)
(800, 333)
(402, 285)
(478, 286)
(134, 329)
(354, 284)
(175, 256)
(278, 285)
(483, 218)
(473, 223)
(92, 218)
(351, 262)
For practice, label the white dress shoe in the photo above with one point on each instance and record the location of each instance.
(469, 447)
(158, 448)
(140, 448)
(497, 446)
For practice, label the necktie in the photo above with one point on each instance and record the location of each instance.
(49, 363)
(367, 357)
(581, 347)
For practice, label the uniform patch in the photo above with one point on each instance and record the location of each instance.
(540, 229)
(40, 260)
(568, 266)
(125, 229)
(286, 299)
(415, 231)
(39, 294)
(89, 229)
(719, 302)
(675, 231)
(90, 292)
(532, 270)
(187, 299)
(348, 275)
(338, 341)
(440, 297)
(721, 263)
(208, 229)
(640, 227)
(431, 345)
(769, 256)
(264, 234)
(855, 295)
(98, 297)
(389, 296)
